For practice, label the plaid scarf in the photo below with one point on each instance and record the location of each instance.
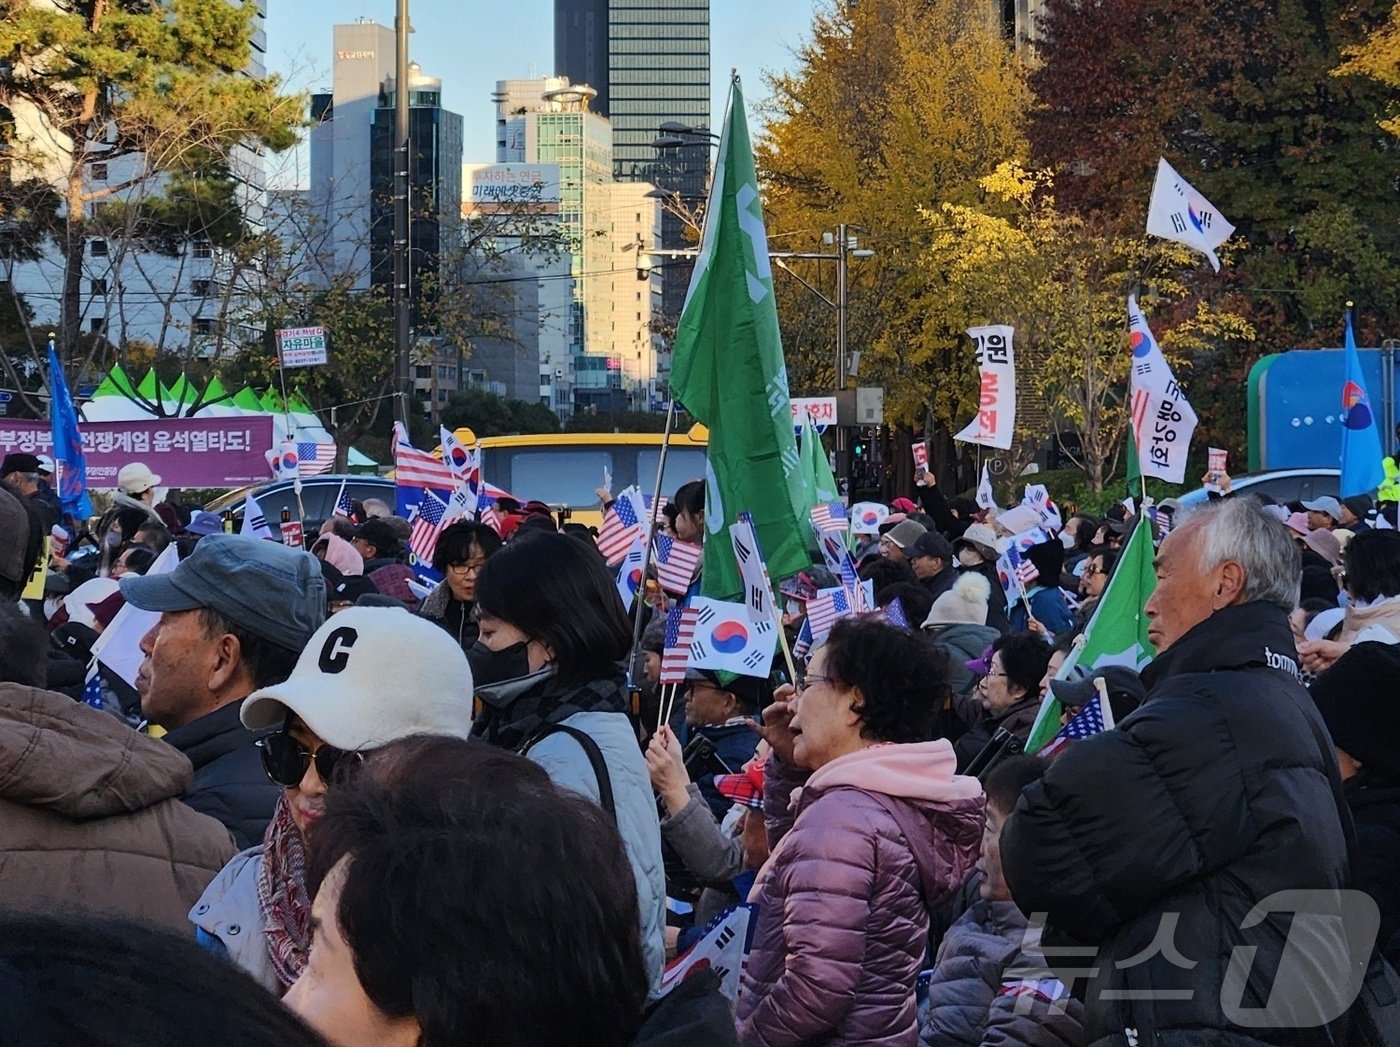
(282, 895)
(548, 702)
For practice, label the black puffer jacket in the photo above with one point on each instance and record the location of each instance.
(1215, 794)
(229, 781)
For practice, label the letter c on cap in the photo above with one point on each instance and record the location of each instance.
(335, 652)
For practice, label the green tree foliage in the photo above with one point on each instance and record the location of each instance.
(151, 89)
(489, 415)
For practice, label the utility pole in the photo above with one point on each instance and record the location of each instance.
(843, 456)
(403, 381)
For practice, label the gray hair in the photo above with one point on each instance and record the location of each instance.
(1239, 530)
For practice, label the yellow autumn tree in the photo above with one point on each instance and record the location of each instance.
(1379, 59)
(894, 106)
(1063, 285)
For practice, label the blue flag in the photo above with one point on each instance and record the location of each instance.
(70, 465)
(1362, 471)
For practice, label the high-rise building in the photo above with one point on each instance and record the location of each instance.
(657, 57)
(341, 147)
(434, 183)
(613, 354)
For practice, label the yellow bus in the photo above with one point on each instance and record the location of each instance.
(565, 469)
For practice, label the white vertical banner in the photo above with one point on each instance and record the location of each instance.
(1162, 419)
(995, 422)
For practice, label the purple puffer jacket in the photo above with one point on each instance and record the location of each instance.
(843, 900)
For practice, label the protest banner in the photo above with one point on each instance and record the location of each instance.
(995, 421)
(183, 452)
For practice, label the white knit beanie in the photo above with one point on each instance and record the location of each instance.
(964, 604)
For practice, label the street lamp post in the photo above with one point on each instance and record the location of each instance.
(402, 373)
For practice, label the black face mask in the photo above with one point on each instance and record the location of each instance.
(488, 666)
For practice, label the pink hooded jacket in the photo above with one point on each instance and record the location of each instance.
(341, 555)
(873, 840)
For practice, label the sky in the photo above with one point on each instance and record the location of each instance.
(471, 45)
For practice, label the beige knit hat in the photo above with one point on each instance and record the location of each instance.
(964, 604)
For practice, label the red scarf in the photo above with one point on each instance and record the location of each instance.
(282, 895)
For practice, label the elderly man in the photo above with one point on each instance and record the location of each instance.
(23, 473)
(1156, 842)
(234, 617)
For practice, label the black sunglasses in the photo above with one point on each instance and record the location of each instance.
(285, 760)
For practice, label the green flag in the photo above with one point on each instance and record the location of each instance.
(820, 484)
(727, 369)
(1117, 632)
(1134, 477)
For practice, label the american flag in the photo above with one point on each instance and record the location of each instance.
(344, 504)
(657, 516)
(427, 525)
(415, 468)
(621, 527)
(804, 641)
(830, 516)
(316, 456)
(680, 630)
(486, 512)
(1090, 721)
(894, 613)
(676, 563)
(825, 610)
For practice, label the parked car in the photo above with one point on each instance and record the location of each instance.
(1283, 485)
(318, 497)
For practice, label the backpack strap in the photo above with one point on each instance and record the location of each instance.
(590, 750)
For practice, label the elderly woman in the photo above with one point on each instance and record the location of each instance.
(462, 551)
(881, 830)
(1008, 695)
(334, 708)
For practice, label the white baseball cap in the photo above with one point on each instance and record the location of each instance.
(136, 478)
(45, 464)
(370, 676)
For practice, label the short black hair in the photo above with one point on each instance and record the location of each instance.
(1372, 560)
(59, 978)
(154, 535)
(267, 663)
(23, 648)
(454, 544)
(1024, 658)
(543, 947)
(139, 558)
(1008, 779)
(1107, 554)
(902, 677)
(916, 600)
(885, 572)
(690, 497)
(558, 591)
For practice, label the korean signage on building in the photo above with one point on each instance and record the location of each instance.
(531, 189)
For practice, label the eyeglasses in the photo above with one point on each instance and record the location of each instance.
(989, 673)
(474, 567)
(286, 760)
(810, 679)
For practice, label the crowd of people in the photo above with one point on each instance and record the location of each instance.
(468, 813)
